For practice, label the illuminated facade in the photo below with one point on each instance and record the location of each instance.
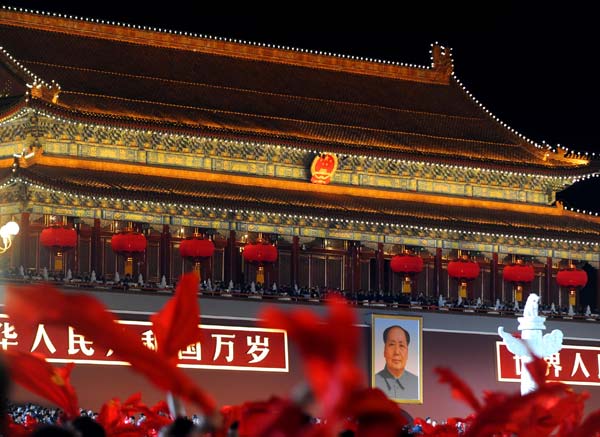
(107, 126)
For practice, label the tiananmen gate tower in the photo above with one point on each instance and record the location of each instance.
(340, 163)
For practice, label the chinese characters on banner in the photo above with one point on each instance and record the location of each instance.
(578, 365)
(221, 347)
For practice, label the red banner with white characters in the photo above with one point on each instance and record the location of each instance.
(221, 347)
(576, 365)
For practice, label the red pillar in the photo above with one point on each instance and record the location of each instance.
(295, 261)
(380, 266)
(494, 278)
(230, 265)
(437, 272)
(164, 249)
(96, 248)
(24, 240)
(547, 300)
(274, 272)
(74, 260)
(355, 259)
(209, 269)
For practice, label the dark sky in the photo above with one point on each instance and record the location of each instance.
(533, 66)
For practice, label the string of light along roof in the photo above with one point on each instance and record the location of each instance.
(294, 216)
(24, 111)
(217, 38)
(36, 79)
(301, 50)
(514, 131)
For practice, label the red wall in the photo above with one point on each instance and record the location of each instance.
(471, 356)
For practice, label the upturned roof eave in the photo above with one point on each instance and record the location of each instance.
(121, 122)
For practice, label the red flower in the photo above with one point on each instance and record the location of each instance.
(273, 418)
(537, 414)
(230, 414)
(329, 350)
(112, 419)
(375, 414)
(31, 305)
(20, 430)
(114, 414)
(176, 325)
(448, 429)
(49, 382)
(460, 390)
(528, 416)
(590, 427)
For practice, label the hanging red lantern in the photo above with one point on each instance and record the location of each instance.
(406, 264)
(572, 278)
(260, 253)
(58, 238)
(128, 243)
(196, 248)
(518, 273)
(463, 270)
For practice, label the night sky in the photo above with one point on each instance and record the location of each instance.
(533, 66)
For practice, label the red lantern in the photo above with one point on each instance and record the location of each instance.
(406, 264)
(463, 269)
(128, 243)
(58, 238)
(572, 278)
(260, 253)
(196, 248)
(518, 273)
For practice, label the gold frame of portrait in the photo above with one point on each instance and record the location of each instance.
(419, 320)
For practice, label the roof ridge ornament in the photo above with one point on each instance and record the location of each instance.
(28, 156)
(441, 59)
(220, 46)
(44, 91)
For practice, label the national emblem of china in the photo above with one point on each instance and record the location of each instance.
(323, 168)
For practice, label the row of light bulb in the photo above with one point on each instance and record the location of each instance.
(294, 216)
(37, 81)
(279, 47)
(28, 110)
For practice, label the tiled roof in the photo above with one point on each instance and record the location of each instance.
(247, 197)
(211, 90)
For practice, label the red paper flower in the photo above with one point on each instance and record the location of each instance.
(460, 390)
(552, 406)
(375, 414)
(113, 416)
(31, 305)
(176, 325)
(20, 430)
(273, 418)
(590, 427)
(329, 349)
(40, 377)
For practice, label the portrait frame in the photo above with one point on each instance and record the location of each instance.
(414, 363)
